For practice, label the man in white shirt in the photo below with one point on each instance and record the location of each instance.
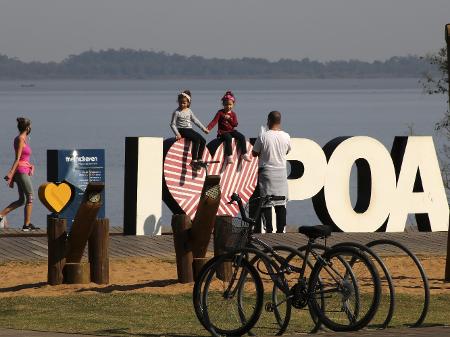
(271, 148)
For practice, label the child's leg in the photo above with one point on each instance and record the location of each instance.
(198, 142)
(187, 134)
(201, 147)
(240, 139)
(227, 140)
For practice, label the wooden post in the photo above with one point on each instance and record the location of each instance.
(98, 249)
(197, 265)
(447, 263)
(181, 225)
(76, 273)
(56, 242)
(447, 40)
(203, 223)
(222, 231)
(84, 221)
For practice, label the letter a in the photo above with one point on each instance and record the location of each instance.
(420, 189)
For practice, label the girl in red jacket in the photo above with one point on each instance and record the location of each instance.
(227, 121)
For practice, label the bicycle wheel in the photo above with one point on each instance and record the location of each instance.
(228, 298)
(275, 318)
(350, 286)
(387, 278)
(413, 276)
(304, 319)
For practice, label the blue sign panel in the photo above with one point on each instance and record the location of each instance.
(77, 167)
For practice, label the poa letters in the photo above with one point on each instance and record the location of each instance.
(390, 185)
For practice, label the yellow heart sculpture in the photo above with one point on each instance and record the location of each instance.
(55, 197)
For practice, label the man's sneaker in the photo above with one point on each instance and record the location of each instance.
(29, 227)
(2, 221)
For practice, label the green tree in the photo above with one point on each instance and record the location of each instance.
(437, 83)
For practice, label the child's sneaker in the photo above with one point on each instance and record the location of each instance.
(2, 221)
(246, 157)
(230, 160)
(194, 165)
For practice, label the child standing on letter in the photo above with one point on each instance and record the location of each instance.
(182, 127)
(227, 121)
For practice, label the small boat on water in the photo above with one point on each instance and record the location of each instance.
(30, 85)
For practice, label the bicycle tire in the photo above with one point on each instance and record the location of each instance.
(211, 286)
(293, 253)
(426, 284)
(386, 273)
(343, 318)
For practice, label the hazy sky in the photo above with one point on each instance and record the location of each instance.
(47, 30)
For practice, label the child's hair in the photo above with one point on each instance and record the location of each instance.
(23, 124)
(228, 96)
(185, 94)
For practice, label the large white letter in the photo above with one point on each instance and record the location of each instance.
(376, 176)
(143, 185)
(420, 189)
(308, 167)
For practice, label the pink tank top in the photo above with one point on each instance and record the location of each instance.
(24, 157)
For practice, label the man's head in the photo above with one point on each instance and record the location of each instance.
(273, 119)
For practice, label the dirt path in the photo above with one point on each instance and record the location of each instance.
(160, 277)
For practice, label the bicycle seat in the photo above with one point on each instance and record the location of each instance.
(314, 232)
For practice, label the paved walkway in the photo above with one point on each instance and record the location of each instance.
(30, 248)
(438, 331)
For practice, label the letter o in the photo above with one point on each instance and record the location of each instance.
(376, 185)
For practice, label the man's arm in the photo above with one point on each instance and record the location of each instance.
(257, 147)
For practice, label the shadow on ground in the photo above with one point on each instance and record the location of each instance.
(129, 287)
(24, 286)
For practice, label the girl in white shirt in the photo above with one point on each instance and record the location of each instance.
(182, 126)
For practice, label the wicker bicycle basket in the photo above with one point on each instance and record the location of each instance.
(238, 235)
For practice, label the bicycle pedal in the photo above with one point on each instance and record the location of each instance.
(269, 307)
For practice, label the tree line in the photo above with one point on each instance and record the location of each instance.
(141, 64)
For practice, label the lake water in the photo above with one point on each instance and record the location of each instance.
(100, 114)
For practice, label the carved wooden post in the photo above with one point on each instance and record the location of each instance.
(222, 231)
(84, 221)
(203, 223)
(98, 248)
(56, 242)
(74, 271)
(181, 226)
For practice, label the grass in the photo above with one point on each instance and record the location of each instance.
(157, 315)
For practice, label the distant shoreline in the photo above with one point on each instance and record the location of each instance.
(130, 64)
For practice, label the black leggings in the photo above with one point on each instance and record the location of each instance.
(280, 212)
(240, 138)
(198, 142)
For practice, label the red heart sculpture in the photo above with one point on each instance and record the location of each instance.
(185, 184)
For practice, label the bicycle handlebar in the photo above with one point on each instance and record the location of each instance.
(236, 198)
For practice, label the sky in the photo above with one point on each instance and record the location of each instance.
(50, 30)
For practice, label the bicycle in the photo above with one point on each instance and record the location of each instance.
(331, 275)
